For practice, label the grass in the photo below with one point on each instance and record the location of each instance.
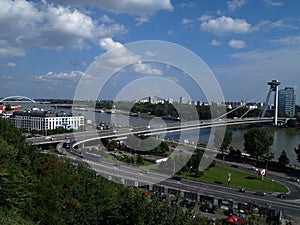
(219, 175)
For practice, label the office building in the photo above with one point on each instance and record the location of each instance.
(286, 100)
(45, 120)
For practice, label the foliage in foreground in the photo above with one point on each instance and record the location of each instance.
(40, 189)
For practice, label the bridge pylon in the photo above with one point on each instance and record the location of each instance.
(273, 87)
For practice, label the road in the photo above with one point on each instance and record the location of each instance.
(129, 175)
(87, 136)
(290, 208)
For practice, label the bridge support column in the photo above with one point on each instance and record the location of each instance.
(273, 87)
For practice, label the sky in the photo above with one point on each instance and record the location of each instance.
(49, 48)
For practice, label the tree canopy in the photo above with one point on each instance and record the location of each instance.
(283, 160)
(257, 142)
(42, 189)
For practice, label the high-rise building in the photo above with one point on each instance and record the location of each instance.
(183, 100)
(153, 100)
(286, 100)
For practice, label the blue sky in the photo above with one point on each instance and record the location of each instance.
(46, 47)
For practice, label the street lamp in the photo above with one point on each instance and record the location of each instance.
(189, 171)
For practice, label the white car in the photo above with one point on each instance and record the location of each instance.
(294, 179)
(49, 138)
(254, 169)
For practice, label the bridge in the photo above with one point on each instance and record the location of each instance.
(17, 98)
(171, 128)
(90, 136)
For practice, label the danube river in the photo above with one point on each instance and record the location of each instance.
(284, 139)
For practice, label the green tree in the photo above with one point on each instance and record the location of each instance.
(223, 139)
(227, 139)
(139, 160)
(8, 108)
(112, 145)
(297, 151)
(291, 123)
(283, 160)
(257, 142)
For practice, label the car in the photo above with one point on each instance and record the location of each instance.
(145, 171)
(213, 209)
(117, 164)
(184, 203)
(294, 179)
(282, 195)
(191, 205)
(178, 178)
(242, 190)
(260, 193)
(229, 212)
(49, 138)
(234, 166)
(254, 169)
(175, 201)
(204, 208)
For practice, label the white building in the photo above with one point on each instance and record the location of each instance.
(45, 120)
(183, 100)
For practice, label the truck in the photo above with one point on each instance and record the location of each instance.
(92, 156)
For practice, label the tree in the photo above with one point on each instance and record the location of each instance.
(257, 142)
(139, 160)
(297, 151)
(227, 139)
(223, 138)
(8, 108)
(112, 145)
(291, 123)
(283, 160)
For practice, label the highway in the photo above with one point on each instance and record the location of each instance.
(133, 176)
(87, 136)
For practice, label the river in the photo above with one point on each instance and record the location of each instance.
(284, 139)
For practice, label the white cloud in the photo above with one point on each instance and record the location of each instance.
(170, 32)
(290, 40)
(117, 55)
(7, 77)
(147, 69)
(273, 3)
(255, 68)
(237, 43)
(235, 4)
(77, 63)
(106, 19)
(281, 63)
(25, 24)
(140, 20)
(215, 42)
(186, 21)
(9, 64)
(205, 18)
(10, 52)
(226, 25)
(132, 7)
(149, 53)
(61, 77)
(108, 44)
(279, 24)
(187, 5)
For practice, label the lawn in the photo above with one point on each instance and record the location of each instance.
(219, 175)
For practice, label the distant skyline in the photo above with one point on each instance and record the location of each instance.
(46, 47)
